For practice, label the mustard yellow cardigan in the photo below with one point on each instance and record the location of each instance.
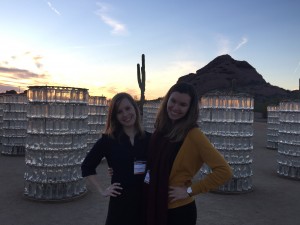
(196, 150)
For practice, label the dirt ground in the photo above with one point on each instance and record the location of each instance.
(274, 200)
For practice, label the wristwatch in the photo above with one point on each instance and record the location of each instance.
(189, 191)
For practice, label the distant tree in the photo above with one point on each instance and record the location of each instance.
(11, 92)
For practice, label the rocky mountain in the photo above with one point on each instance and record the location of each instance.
(225, 74)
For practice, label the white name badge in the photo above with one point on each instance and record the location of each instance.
(139, 167)
(147, 177)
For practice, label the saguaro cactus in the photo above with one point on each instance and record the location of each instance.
(141, 77)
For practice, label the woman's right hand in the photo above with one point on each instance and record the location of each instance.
(113, 190)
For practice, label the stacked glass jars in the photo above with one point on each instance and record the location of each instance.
(150, 110)
(56, 142)
(227, 120)
(1, 121)
(272, 127)
(97, 113)
(289, 140)
(14, 124)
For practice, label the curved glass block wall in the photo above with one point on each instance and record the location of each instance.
(14, 124)
(289, 140)
(150, 110)
(56, 142)
(227, 120)
(272, 126)
(1, 121)
(97, 114)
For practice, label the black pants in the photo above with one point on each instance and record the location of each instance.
(184, 215)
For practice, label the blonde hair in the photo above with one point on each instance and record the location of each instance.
(113, 127)
(178, 130)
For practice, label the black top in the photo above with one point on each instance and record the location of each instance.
(120, 155)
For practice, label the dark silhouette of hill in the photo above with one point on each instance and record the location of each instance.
(225, 74)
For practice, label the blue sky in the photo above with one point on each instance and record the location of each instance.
(97, 44)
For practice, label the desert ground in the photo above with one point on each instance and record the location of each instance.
(274, 200)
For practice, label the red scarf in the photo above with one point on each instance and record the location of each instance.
(162, 154)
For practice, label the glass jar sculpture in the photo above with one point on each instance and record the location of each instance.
(288, 157)
(1, 121)
(56, 143)
(14, 124)
(227, 120)
(97, 113)
(150, 110)
(272, 127)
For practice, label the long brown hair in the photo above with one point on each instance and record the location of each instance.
(178, 130)
(113, 127)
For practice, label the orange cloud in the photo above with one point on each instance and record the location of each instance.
(37, 62)
(14, 78)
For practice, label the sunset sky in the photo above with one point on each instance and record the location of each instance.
(97, 44)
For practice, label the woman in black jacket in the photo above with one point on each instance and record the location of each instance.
(124, 145)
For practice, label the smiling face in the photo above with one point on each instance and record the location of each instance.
(126, 114)
(178, 105)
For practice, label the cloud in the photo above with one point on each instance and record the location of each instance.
(117, 27)
(18, 73)
(132, 92)
(4, 63)
(297, 67)
(243, 42)
(225, 46)
(11, 70)
(37, 62)
(13, 78)
(21, 71)
(53, 9)
(4, 88)
(29, 57)
(111, 89)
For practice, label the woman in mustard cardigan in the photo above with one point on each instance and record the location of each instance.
(177, 151)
